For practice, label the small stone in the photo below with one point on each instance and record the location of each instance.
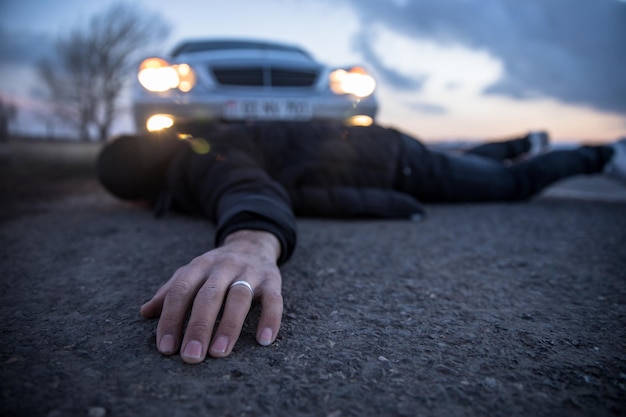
(96, 412)
(491, 382)
(416, 217)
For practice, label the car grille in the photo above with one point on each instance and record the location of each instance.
(264, 77)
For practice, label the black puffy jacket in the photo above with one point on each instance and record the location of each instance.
(259, 176)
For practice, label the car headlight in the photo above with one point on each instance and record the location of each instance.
(355, 81)
(157, 75)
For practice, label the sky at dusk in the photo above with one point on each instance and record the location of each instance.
(446, 69)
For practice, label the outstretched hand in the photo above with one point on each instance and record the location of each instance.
(204, 286)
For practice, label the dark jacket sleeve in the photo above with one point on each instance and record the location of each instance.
(355, 202)
(231, 189)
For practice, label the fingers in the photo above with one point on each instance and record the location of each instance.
(179, 296)
(235, 311)
(152, 308)
(206, 307)
(199, 290)
(271, 314)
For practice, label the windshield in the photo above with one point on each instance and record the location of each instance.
(217, 45)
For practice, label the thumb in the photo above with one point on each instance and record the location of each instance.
(152, 308)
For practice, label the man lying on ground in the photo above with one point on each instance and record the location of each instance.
(252, 180)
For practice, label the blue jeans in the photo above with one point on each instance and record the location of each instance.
(488, 172)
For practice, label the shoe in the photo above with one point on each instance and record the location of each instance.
(539, 144)
(616, 167)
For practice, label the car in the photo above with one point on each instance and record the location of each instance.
(238, 80)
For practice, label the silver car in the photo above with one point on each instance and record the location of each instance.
(206, 81)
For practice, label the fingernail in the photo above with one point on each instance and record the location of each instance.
(166, 345)
(265, 338)
(220, 344)
(193, 350)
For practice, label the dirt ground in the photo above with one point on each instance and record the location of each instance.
(479, 310)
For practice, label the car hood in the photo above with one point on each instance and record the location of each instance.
(244, 57)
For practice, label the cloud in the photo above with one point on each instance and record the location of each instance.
(385, 71)
(569, 50)
(427, 108)
(23, 47)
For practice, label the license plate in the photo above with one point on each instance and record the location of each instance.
(282, 109)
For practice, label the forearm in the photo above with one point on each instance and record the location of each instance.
(236, 194)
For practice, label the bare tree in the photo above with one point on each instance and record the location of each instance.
(68, 77)
(92, 65)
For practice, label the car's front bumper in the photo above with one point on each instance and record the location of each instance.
(234, 106)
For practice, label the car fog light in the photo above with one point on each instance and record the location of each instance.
(360, 120)
(159, 122)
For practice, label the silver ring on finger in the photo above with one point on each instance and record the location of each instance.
(244, 283)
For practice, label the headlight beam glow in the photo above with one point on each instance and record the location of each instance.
(158, 122)
(157, 75)
(356, 81)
